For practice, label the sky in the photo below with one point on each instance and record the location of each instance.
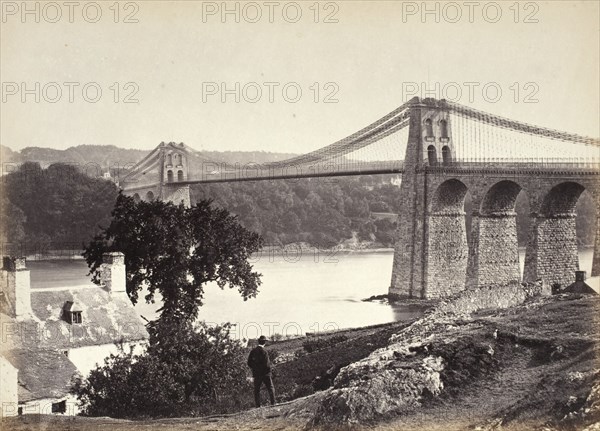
(304, 73)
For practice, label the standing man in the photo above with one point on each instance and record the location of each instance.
(259, 362)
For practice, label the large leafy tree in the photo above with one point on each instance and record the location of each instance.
(188, 367)
(175, 251)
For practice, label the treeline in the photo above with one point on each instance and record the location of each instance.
(327, 212)
(320, 212)
(61, 205)
(57, 207)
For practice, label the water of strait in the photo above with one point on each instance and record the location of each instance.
(309, 293)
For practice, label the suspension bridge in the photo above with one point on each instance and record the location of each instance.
(443, 151)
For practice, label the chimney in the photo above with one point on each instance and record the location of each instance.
(113, 272)
(16, 286)
(579, 275)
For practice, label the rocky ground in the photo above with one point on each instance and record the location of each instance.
(530, 366)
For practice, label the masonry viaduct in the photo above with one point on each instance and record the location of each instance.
(432, 256)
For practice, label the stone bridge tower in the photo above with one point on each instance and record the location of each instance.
(174, 167)
(163, 174)
(429, 145)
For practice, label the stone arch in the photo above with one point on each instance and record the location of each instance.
(447, 246)
(449, 197)
(500, 198)
(561, 200)
(136, 198)
(552, 253)
(149, 196)
(180, 175)
(169, 176)
(431, 155)
(446, 155)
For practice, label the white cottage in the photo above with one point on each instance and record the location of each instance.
(52, 334)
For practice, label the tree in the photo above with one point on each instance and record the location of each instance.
(176, 250)
(11, 221)
(187, 366)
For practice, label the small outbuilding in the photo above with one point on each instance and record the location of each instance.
(580, 286)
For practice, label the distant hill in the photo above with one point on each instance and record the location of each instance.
(110, 156)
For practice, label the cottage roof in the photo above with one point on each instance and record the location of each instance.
(106, 319)
(35, 380)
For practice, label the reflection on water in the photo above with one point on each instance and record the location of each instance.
(296, 296)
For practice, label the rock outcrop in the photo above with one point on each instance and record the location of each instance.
(412, 367)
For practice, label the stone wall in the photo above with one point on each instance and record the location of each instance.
(488, 297)
(554, 249)
(496, 259)
(447, 255)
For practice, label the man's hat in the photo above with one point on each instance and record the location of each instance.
(262, 339)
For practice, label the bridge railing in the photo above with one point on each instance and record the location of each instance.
(522, 163)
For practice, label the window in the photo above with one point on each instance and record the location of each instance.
(180, 175)
(429, 130)
(169, 159)
(444, 131)
(169, 176)
(76, 317)
(60, 407)
(71, 314)
(446, 155)
(431, 155)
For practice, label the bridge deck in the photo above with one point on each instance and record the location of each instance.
(239, 174)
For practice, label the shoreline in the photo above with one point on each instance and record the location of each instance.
(275, 250)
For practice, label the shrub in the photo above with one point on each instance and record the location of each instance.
(186, 370)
